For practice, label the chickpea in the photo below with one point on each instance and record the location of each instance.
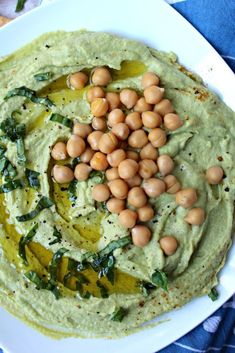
(164, 107)
(99, 107)
(118, 188)
(82, 130)
(116, 116)
(147, 168)
(75, 146)
(95, 92)
(165, 164)
(137, 197)
(94, 138)
(142, 106)
(128, 97)
(134, 181)
(62, 174)
(127, 218)
(108, 142)
(128, 168)
(100, 192)
(112, 174)
(214, 175)
(77, 80)
(154, 187)
(157, 137)
(59, 151)
(141, 235)
(138, 139)
(113, 99)
(149, 79)
(87, 155)
(115, 205)
(99, 124)
(172, 184)
(82, 171)
(186, 197)
(172, 121)
(132, 155)
(101, 76)
(121, 130)
(195, 216)
(134, 121)
(149, 152)
(153, 94)
(116, 157)
(145, 213)
(151, 119)
(169, 245)
(99, 161)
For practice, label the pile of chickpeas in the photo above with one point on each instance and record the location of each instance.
(123, 140)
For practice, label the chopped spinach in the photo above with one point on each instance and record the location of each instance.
(43, 203)
(11, 185)
(61, 119)
(57, 235)
(118, 314)
(32, 178)
(30, 94)
(103, 290)
(7, 169)
(160, 279)
(20, 5)
(43, 284)
(213, 295)
(44, 76)
(24, 240)
(53, 267)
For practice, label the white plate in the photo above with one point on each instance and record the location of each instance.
(158, 25)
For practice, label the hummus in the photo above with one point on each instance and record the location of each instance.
(40, 253)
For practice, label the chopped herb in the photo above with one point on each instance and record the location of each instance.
(213, 295)
(75, 162)
(146, 288)
(160, 279)
(66, 278)
(55, 262)
(115, 244)
(32, 178)
(61, 119)
(7, 169)
(2, 151)
(43, 203)
(57, 235)
(24, 240)
(87, 295)
(72, 191)
(42, 284)
(103, 290)
(11, 185)
(105, 267)
(45, 76)
(97, 174)
(20, 5)
(30, 94)
(82, 278)
(21, 151)
(118, 314)
(72, 264)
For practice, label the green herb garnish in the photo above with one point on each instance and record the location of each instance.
(32, 178)
(57, 235)
(118, 314)
(146, 288)
(30, 94)
(103, 290)
(42, 284)
(20, 5)
(7, 169)
(43, 203)
(11, 185)
(72, 191)
(45, 76)
(61, 119)
(160, 279)
(24, 240)
(55, 262)
(213, 295)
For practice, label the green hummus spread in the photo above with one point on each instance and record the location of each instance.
(40, 253)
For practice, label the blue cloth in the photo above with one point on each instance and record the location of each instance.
(215, 20)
